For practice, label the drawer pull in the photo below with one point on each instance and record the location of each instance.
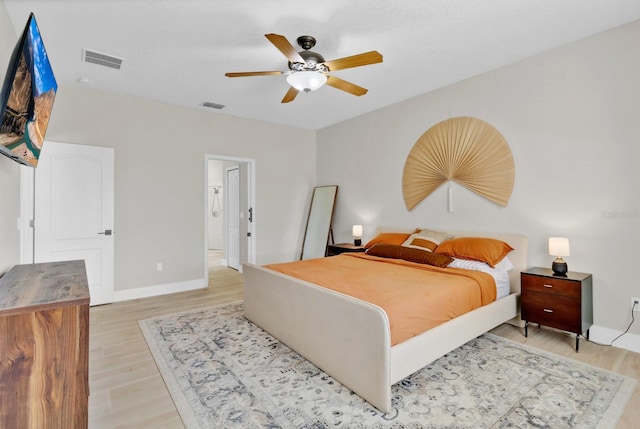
(546, 285)
(546, 310)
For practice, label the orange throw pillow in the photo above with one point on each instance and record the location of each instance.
(481, 249)
(388, 238)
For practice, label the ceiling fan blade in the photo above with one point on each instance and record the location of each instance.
(363, 59)
(285, 47)
(290, 95)
(343, 85)
(256, 73)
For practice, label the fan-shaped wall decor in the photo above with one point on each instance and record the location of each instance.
(465, 150)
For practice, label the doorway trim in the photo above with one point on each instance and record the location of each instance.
(251, 184)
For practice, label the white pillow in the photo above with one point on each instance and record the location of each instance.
(500, 273)
(427, 239)
(504, 265)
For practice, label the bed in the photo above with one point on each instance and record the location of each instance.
(350, 339)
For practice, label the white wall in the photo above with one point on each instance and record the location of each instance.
(9, 170)
(572, 121)
(9, 213)
(159, 180)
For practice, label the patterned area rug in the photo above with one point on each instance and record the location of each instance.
(224, 372)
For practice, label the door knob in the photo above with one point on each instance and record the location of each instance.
(106, 232)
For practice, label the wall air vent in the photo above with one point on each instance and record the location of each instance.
(211, 105)
(101, 59)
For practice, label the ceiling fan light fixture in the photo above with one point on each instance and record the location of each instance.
(306, 80)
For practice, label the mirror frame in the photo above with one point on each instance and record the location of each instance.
(319, 222)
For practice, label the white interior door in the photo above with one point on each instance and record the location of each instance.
(233, 217)
(74, 191)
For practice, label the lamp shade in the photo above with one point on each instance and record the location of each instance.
(559, 246)
(306, 80)
(357, 231)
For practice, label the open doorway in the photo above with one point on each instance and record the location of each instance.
(229, 206)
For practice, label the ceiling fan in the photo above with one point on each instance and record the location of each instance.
(309, 71)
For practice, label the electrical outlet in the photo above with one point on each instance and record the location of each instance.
(635, 301)
(159, 266)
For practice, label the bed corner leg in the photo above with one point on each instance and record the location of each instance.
(382, 405)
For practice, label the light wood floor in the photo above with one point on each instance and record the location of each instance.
(127, 390)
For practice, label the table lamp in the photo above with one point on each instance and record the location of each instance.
(357, 235)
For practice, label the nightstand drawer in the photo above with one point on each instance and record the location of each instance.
(554, 286)
(552, 310)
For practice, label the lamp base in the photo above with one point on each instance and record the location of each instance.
(559, 267)
(357, 241)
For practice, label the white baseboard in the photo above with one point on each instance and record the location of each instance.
(603, 335)
(163, 289)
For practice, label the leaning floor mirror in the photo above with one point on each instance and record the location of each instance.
(316, 234)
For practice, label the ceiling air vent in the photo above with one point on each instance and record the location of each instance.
(101, 59)
(211, 105)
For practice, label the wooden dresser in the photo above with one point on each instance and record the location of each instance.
(44, 346)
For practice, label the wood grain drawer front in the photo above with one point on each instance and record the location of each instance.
(552, 310)
(562, 287)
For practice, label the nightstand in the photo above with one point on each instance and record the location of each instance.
(562, 302)
(338, 248)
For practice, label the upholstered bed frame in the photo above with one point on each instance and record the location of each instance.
(350, 339)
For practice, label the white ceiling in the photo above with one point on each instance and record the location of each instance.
(177, 51)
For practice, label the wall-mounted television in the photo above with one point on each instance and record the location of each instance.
(27, 96)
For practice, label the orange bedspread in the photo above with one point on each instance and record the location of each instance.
(415, 297)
